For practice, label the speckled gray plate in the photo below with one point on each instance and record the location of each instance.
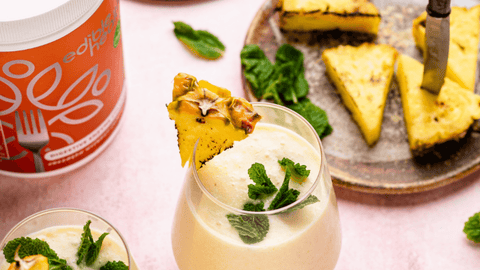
(388, 167)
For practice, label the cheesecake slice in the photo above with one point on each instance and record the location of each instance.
(362, 75)
(432, 119)
(463, 49)
(323, 15)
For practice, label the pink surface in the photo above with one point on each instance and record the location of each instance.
(136, 181)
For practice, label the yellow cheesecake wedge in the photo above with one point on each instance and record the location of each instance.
(362, 75)
(204, 111)
(432, 119)
(323, 15)
(463, 47)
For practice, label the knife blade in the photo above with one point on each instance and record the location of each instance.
(437, 39)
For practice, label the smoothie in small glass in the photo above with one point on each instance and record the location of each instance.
(62, 230)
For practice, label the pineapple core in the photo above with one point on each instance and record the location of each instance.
(209, 113)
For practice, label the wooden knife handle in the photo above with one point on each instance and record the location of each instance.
(438, 8)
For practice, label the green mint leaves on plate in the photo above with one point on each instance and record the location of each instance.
(253, 228)
(200, 42)
(283, 82)
(314, 115)
(472, 228)
(263, 184)
(89, 249)
(28, 247)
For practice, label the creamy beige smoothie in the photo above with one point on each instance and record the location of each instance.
(65, 240)
(309, 238)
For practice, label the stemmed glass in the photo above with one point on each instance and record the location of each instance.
(307, 238)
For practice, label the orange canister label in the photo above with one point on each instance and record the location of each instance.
(61, 101)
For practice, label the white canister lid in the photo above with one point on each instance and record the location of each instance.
(39, 22)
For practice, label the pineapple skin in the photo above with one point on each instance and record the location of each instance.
(208, 113)
(432, 119)
(362, 75)
(463, 46)
(324, 15)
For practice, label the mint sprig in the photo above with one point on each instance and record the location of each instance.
(263, 184)
(114, 265)
(299, 172)
(285, 195)
(472, 228)
(89, 249)
(253, 228)
(254, 207)
(28, 247)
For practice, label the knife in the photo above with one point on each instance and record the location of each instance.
(437, 39)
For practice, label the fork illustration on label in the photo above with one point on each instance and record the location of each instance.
(33, 139)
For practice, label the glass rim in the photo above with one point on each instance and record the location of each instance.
(275, 211)
(66, 209)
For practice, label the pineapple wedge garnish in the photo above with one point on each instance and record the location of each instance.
(204, 111)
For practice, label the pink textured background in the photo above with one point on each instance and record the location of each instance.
(135, 182)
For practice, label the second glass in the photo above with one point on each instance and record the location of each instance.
(62, 228)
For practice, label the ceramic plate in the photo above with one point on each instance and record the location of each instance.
(388, 167)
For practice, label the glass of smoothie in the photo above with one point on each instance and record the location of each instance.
(218, 225)
(62, 229)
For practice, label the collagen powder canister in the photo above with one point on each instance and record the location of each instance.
(62, 89)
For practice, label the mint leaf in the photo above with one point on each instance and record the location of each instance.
(285, 196)
(58, 264)
(28, 246)
(114, 265)
(289, 62)
(314, 115)
(251, 228)
(94, 250)
(263, 185)
(200, 42)
(309, 200)
(472, 228)
(85, 243)
(89, 249)
(254, 207)
(299, 172)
